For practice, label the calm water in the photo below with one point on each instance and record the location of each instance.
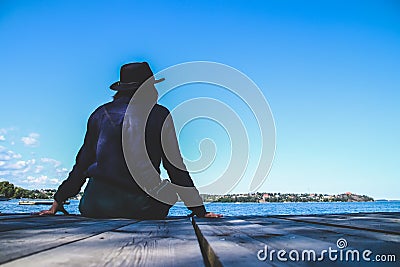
(235, 209)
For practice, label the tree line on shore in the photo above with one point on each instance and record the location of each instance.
(8, 190)
(287, 197)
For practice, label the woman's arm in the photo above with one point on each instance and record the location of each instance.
(173, 163)
(77, 177)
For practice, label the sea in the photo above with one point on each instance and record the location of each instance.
(240, 209)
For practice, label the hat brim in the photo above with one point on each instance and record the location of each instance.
(118, 86)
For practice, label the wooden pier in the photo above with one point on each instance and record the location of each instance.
(27, 240)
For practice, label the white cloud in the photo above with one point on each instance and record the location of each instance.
(36, 180)
(41, 180)
(62, 170)
(38, 169)
(4, 156)
(54, 181)
(54, 162)
(2, 138)
(8, 154)
(3, 173)
(31, 139)
(17, 165)
(31, 173)
(21, 166)
(15, 155)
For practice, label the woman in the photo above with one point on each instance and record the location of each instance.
(125, 142)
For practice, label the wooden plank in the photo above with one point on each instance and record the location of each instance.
(19, 243)
(230, 241)
(277, 234)
(320, 229)
(216, 253)
(226, 245)
(379, 243)
(35, 221)
(9, 216)
(170, 242)
(385, 223)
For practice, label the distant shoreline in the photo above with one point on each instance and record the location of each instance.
(9, 191)
(287, 197)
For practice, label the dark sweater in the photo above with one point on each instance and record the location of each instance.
(102, 157)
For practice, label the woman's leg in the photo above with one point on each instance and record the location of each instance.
(102, 200)
(89, 205)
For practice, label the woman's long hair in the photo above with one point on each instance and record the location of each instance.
(119, 94)
(147, 93)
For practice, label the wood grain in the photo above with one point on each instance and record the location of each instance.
(146, 243)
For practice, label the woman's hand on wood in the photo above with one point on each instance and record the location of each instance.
(53, 210)
(212, 215)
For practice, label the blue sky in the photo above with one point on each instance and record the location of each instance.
(329, 70)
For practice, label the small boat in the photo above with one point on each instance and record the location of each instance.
(38, 202)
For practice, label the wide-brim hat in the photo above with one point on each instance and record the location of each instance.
(133, 75)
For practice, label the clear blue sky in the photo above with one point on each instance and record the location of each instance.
(329, 70)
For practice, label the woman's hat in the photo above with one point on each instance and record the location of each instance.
(133, 75)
